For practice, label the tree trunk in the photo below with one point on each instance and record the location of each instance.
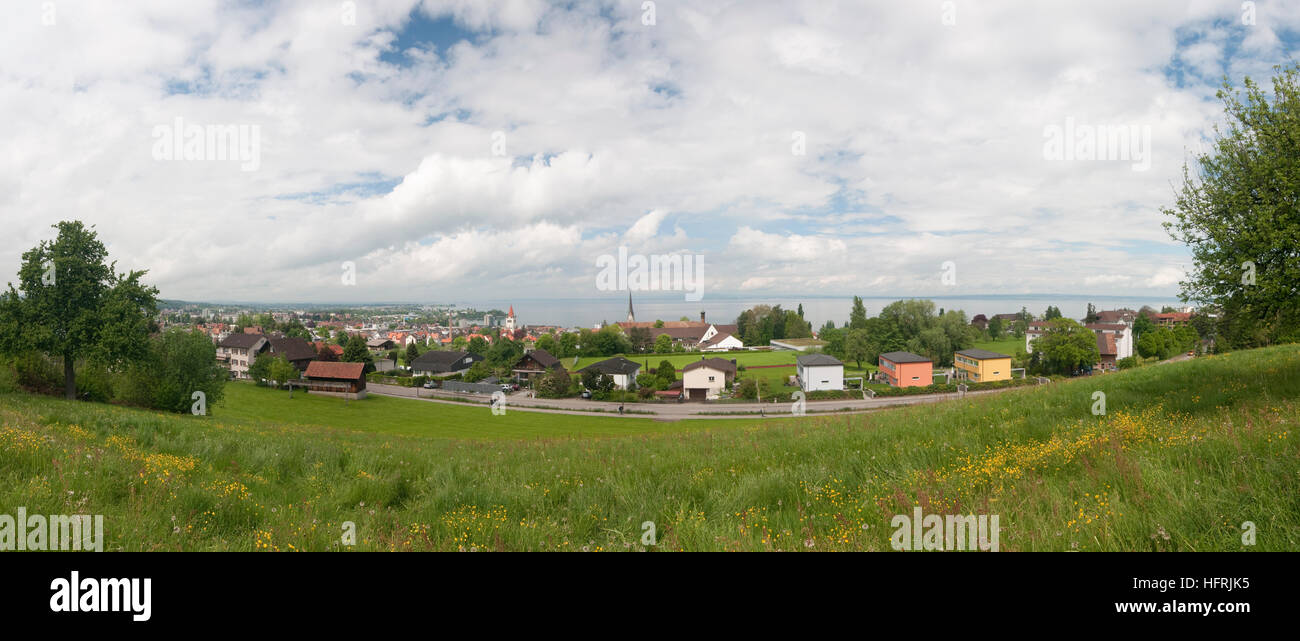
(69, 378)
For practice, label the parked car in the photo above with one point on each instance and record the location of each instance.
(430, 385)
(506, 388)
(586, 393)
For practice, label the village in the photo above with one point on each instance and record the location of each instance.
(664, 361)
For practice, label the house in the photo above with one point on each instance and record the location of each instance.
(622, 370)
(535, 363)
(819, 372)
(297, 351)
(347, 380)
(706, 378)
(440, 363)
(380, 344)
(982, 366)
(905, 369)
(1033, 331)
(1126, 316)
(333, 347)
(1171, 319)
(721, 342)
(1120, 333)
(238, 351)
(1107, 350)
(797, 344)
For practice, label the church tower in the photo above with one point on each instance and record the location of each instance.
(631, 318)
(510, 320)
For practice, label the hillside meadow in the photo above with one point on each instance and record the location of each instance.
(1183, 456)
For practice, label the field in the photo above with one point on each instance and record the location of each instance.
(1184, 454)
(1006, 346)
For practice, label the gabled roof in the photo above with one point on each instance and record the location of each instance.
(808, 360)
(616, 365)
(293, 349)
(327, 369)
(719, 364)
(541, 357)
(443, 361)
(981, 354)
(904, 357)
(717, 338)
(242, 341)
(1106, 344)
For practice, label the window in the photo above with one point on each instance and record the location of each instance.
(710, 379)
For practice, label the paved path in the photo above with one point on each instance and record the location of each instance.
(666, 411)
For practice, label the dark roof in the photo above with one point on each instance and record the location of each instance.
(720, 364)
(327, 369)
(293, 349)
(616, 365)
(694, 333)
(981, 354)
(717, 338)
(242, 341)
(816, 359)
(543, 358)
(443, 361)
(1010, 317)
(904, 357)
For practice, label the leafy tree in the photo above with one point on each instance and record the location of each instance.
(477, 345)
(1238, 214)
(1091, 316)
(640, 339)
(1052, 313)
(73, 304)
(326, 354)
(1066, 346)
(179, 363)
(995, 328)
(547, 343)
(282, 371)
(666, 373)
(663, 344)
(1142, 324)
(356, 352)
(858, 315)
(260, 370)
(857, 346)
(555, 383)
(477, 372)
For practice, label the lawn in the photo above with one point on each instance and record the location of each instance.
(1182, 456)
(384, 414)
(1006, 346)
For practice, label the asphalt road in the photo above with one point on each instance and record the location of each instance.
(521, 401)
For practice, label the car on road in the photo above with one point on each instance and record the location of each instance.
(586, 394)
(430, 385)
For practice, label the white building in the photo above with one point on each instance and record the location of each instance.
(819, 372)
(705, 379)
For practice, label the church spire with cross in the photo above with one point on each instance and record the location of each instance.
(631, 318)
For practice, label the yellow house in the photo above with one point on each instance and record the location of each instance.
(982, 366)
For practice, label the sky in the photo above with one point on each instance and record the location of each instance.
(425, 151)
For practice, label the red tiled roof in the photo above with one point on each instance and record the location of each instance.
(326, 369)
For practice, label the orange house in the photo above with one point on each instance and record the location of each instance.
(905, 369)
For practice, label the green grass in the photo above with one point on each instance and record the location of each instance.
(407, 417)
(1185, 453)
(1006, 346)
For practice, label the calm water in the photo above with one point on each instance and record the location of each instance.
(588, 312)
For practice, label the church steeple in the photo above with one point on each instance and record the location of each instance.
(631, 318)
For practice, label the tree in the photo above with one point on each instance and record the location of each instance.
(260, 370)
(1142, 324)
(179, 363)
(1066, 346)
(666, 373)
(355, 352)
(856, 346)
(995, 328)
(1051, 313)
(858, 315)
(74, 305)
(663, 344)
(1238, 214)
(282, 371)
(412, 353)
(555, 383)
(477, 345)
(639, 337)
(1091, 316)
(326, 354)
(477, 372)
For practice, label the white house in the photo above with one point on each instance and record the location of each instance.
(706, 378)
(720, 342)
(622, 370)
(819, 372)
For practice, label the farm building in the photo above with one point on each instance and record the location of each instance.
(622, 370)
(347, 380)
(905, 369)
(535, 363)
